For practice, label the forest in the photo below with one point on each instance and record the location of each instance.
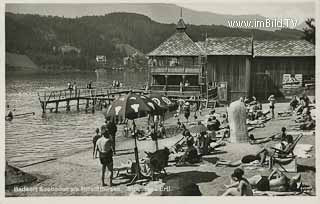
(39, 37)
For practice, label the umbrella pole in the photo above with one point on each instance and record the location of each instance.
(137, 176)
(156, 133)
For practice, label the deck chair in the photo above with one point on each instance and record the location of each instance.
(285, 160)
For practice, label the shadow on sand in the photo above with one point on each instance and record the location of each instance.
(185, 183)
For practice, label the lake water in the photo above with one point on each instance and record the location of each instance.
(36, 138)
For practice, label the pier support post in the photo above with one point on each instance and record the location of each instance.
(68, 106)
(93, 105)
(78, 105)
(43, 106)
(57, 106)
(87, 105)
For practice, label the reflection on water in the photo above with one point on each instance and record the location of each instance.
(34, 138)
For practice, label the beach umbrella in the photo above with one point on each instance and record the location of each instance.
(164, 102)
(130, 106)
(155, 108)
(199, 128)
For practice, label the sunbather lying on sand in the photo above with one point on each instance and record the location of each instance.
(218, 143)
(253, 140)
(276, 181)
(245, 160)
(260, 156)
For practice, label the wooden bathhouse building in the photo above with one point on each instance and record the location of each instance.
(227, 68)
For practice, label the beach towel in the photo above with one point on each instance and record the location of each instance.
(305, 133)
(274, 193)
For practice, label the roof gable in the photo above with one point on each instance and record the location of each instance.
(179, 44)
(283, 48)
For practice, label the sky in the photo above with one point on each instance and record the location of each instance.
(300, 10)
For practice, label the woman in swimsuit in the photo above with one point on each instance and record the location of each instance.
(243, 186)
(276, 181)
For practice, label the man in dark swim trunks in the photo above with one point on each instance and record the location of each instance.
(104, 147)
(94, 140)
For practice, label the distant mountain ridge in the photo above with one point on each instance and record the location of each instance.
(37, 35)
(159, 12)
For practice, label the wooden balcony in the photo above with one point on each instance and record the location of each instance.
(188, 69)
(174, 90)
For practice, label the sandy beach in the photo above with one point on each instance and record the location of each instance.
(79, 174)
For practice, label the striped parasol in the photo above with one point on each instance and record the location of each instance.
(131, 106)
(164, 102)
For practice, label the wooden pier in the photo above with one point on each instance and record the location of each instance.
(90, 98)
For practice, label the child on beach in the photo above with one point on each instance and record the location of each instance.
(95, 139)
(187, 111)
(243, 186)
(272, 101)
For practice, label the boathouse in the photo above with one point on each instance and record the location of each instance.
(233, 67)
(228, 65)
(275, 60)
(176, 66)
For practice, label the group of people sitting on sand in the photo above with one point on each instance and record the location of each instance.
(255, 115)
(201, 143)
(276, 181)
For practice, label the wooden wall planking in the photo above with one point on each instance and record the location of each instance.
(233, 70)
(276, 67)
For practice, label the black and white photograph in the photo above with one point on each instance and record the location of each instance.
(213, 98)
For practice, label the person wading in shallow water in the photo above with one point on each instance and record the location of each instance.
(104, 147)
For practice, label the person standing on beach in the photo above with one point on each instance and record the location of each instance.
(272, 101)
(187, 111)
(95, 139)
(112, 129)
(104, 147)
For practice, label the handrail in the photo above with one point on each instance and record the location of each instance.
(80, 92)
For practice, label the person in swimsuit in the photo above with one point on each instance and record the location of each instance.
(94, 140)
(104, 147)
(272, 100)
(243, 186)
(276, 181)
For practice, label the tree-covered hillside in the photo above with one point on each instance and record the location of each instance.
(40, 37)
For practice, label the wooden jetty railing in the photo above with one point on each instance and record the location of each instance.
(89, 95)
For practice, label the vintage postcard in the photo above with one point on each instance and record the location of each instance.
(212, 98)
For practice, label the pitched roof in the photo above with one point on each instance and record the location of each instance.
(283, 48)
(181, 25)
(179, 44)
(228, 46)
(17, 60)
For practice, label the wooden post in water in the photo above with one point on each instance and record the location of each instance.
(57, 106)
(87, 105)
(68, 105)
(43, 106)
(78, 104)
(93, 105)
